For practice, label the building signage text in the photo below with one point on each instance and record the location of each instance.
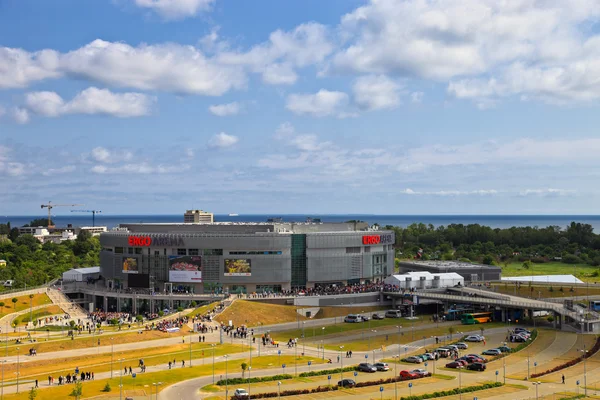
(147, 241)
(378, 239)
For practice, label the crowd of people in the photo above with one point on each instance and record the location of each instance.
(71, 378)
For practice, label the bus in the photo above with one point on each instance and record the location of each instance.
(476, 318)
(595, 305)
(456, 314)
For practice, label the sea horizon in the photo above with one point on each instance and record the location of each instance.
(492, 220)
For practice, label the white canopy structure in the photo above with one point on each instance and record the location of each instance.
(425, 280)
(81, 274)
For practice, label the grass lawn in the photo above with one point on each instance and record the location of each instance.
(341, 328)
(253, 313)
(582, 271)
(39, 313)
(543, 290)
(331, 312)
(86, 341)
(204, 309)
(23, 303)
(93, 388)
(201, 355)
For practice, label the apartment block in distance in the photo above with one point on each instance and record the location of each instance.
(198, 216)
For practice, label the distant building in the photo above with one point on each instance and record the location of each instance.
(81, 274)
(425, 280)
(198, 216)
(94, 230)
(471, 272)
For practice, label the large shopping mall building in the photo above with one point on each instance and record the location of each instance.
(244, 257)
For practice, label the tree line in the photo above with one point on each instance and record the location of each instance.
(575, 244)
(31, 263)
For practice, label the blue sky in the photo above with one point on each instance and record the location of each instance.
(343, 106)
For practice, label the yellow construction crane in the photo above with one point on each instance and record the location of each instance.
(50, 206)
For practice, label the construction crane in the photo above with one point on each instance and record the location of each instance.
(50, 206)
(94, 212)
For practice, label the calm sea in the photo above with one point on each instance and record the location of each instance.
(495, 221)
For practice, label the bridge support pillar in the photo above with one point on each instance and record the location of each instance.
(134, 305)
(394, 303)
(118, 304)
(503, 314)
(105, 304)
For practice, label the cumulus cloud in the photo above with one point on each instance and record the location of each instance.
(549, 192)
(19, 68)
(275, 60)
(104, 155)
(139, 168)
(324, 103)
(90, 101)
(376, 92)
(416, 97)
(175, 9)
(58, 171)
(224, 110)
(222, 141)
(20, 115)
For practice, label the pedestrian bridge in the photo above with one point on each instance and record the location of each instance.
(505, 302)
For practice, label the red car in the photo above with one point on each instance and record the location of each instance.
(408, 375)
(455, 364)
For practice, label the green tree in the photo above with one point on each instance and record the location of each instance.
(32, 394)
(14, 301)
(77, 390)
(2, 307)
(39, 222)
(526, 264)
(244, 367)
(451, 331)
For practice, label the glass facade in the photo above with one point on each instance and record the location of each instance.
(298, 253)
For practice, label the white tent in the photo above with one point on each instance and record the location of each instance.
(425, 280)
(81, 274)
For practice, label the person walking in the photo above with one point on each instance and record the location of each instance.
(563, 379)
(36, 384)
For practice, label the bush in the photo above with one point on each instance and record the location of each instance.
(550, 318)
(570, 363)
(328, 371)
(107, 388)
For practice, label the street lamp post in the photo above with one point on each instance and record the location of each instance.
(213, 357)
(190, 349)
(295, 357)
(396, 366)
(279, 389)
(249, 368)
(504, 366)
(17, 370)
(226, 379)
(342, 364)
(322, 341)
(584, 361)
(536, 384)
(2, 390)
(112, 352)
(121, 380)
(303, 337)
(156, 387)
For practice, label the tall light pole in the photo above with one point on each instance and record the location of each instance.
(303, 338)
(295, 357)
(213, 354)
(584, 361)
(504, 366)
(112, 352)
(322, 342)
(342, 365)
(279, 389)
(226, 379)
(17, 370)
(2, 392)
(249, 369)
(191, 348)
(156, 387)
(396, 366)
(121, 380)
(536, 384)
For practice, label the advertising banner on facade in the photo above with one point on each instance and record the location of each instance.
(185, 269)
(130, 266)
(238, 267)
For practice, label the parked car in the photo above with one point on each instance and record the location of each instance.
(378, 316)
(241, 394)
(453, 347)
(352, 318)
(455, 364)
(413, 359)
(517, 338)
(462, 345)
(347, 383)
(381, 366)
(480, 358)
(504, 349)
(519, 330)
(408, 375)
(364, 318)
(492, 352)
(426, 356)
(420, 372)
(443, 352)
(366, 367)
(474, 338)
(393, 314)
(477, 366)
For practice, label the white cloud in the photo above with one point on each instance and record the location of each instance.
(176, 9)
(416, 97)
(20, 115)
(309, 143)
(550, 192)
(284, 131)
(104, 155)
(376, 92)
(224, 110)
(305, 45)
(444, 193)
(168, 67)
(321, 104)
(222, 141)
(139, 168)
(57, 171)
(19, 68)
(90, 101)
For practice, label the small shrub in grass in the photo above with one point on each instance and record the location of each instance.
(107, 388)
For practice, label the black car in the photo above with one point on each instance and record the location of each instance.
(347, 383)
(477, 366)
(366, 367)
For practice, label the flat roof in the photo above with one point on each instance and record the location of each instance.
(544, 279)
(447, 264)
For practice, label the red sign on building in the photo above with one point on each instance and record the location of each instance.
(371, 239)
(141, 241)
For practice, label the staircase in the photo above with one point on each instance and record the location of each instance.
(73, 309)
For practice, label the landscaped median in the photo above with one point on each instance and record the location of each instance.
(330, 388)
(572, 362)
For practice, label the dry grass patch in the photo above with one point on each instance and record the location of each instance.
(23, 303)
(253, 313)
(38, 314)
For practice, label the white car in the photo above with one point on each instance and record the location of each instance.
(240, 393)
(381, 366)
(462, 345)
(474, 338)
